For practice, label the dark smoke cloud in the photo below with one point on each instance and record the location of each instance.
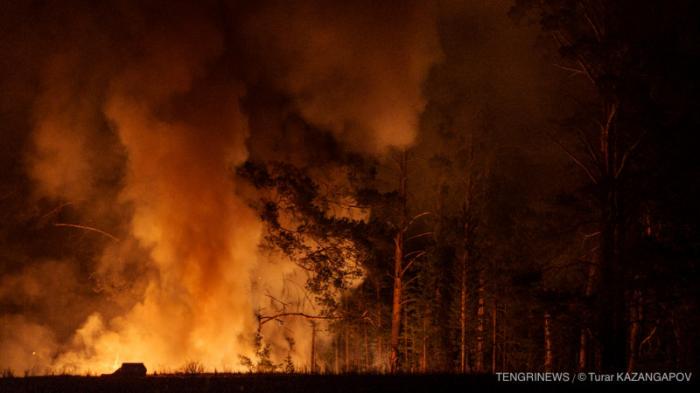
(353, 68)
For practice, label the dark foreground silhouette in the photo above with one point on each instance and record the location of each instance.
(245, 383)
(303, 383)
(129, 370)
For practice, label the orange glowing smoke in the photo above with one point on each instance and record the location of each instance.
(202, 239)
(150, 97)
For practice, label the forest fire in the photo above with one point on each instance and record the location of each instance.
(196, 188)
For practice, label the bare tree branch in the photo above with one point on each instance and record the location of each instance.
(410, 263)
(574, 71)
(627, 154)
(263, 319)
(414, 218)
(594, 27)
(575, 159)
(414, 237)
(56, 210)
(647, 338)
(87, 228)
(589, 146)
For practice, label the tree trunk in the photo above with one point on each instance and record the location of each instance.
(398, 271)
(493, 337)
(365, 365)
(504, 341)
(635, 316)
(337, 354)
(681, 350)
(480, 315)
(406, 352)
(548, 355)
(396, 304)
(464, 365)
(313, 346)
(583, 351)
(463, 307)
(347, 350)
(424, 347)
(612, 306)
(380, 334)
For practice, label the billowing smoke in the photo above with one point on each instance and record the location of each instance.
(202, 239)
(134, 129)
(355, 68)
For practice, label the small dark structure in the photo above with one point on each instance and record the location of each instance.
(131, 370)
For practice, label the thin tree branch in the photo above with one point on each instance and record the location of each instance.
(420, 235)
(574, 71)
(414, 218)
(589, 147)
(56, 210)
(627, 154)
(562, 41)
(263, 319)
(87, 228)
(647, 338)
(407, 283)
(611, 116)
(412, 253)
(575, 159)
(410, 263)
(276, 300)
(596, 30)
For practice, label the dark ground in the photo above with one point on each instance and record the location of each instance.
(246, 383)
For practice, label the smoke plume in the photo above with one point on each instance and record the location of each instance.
(355, 69)
(134, 129)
